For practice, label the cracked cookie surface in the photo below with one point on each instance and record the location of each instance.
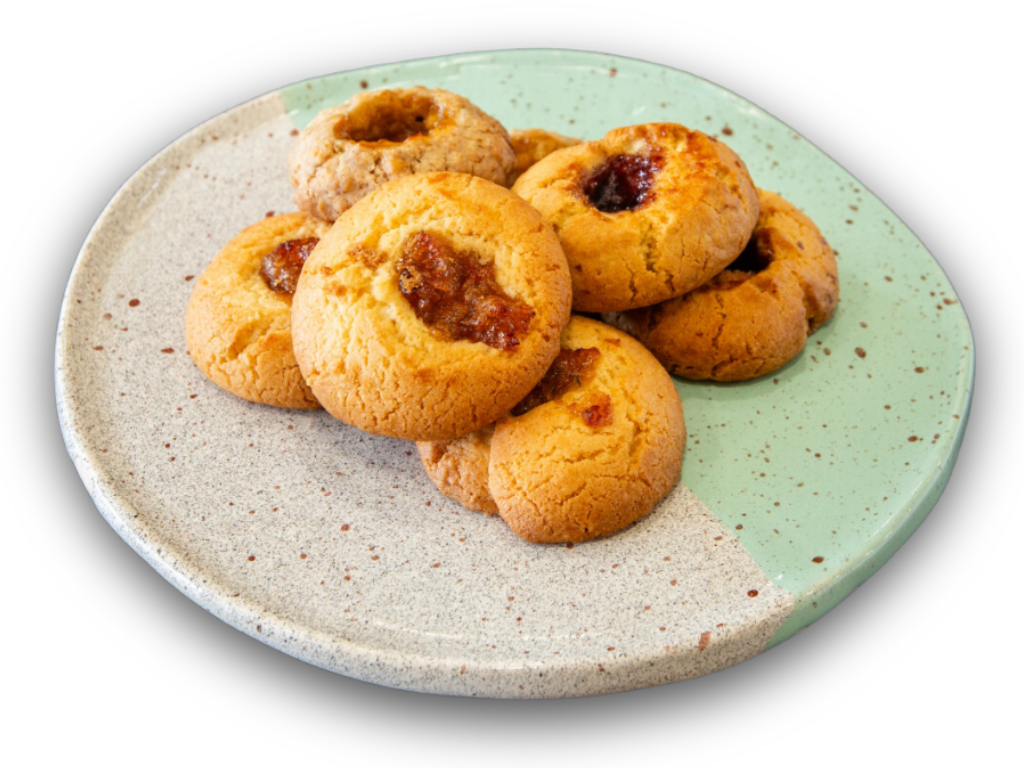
(595, 453)
(238, 329)
(351, 149)
(756, 315)
(647, 213)
(374, 314)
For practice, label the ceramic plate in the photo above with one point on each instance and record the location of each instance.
(331, 545)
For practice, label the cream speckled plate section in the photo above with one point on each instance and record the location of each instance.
(331, 544)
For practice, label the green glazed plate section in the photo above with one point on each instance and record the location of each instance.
(826, 467)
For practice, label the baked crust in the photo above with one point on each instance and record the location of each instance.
(340, 157)
(556, 479)
(698, 216)
(532, 145)
(554, 476)
(238, 331)
(741, 325)
(369, 358)
(459, 468)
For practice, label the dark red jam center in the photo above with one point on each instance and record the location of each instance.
(754, 258)
(457, 295)
(622, 182)
(572, 368)
(596, 411)
(281, 267)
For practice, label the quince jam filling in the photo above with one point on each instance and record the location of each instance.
(572, 368)
(596, 411)
(457, 295)
(622, 182)
(281, 267)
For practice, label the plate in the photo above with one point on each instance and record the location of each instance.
(332, 546)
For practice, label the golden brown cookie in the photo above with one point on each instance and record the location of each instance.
(756, 315)
(534, 144)
(459, 468)
(238, 320)
(590, 450)
(351, 149)
(647, 213)
(431, 308)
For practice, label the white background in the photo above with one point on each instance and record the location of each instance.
(102, 658)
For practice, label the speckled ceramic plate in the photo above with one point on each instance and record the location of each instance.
(333, 546)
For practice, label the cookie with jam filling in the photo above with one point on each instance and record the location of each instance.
(431, 308)
(645, 214)
(593, 447)
(756, 315)
(238, 320)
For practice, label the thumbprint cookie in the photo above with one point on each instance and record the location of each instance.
(756, 315)
(238, 320)
(647, 213)
(352, 148)
(431, 308)
(593, 447)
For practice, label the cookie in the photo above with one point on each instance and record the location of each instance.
(431, 308)
(532, 145)
(755, 316)
(351, 149)
(647, 213)
(593, 448)
(238, 320)
(459, 468)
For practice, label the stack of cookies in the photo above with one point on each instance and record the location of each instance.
(416, 296)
